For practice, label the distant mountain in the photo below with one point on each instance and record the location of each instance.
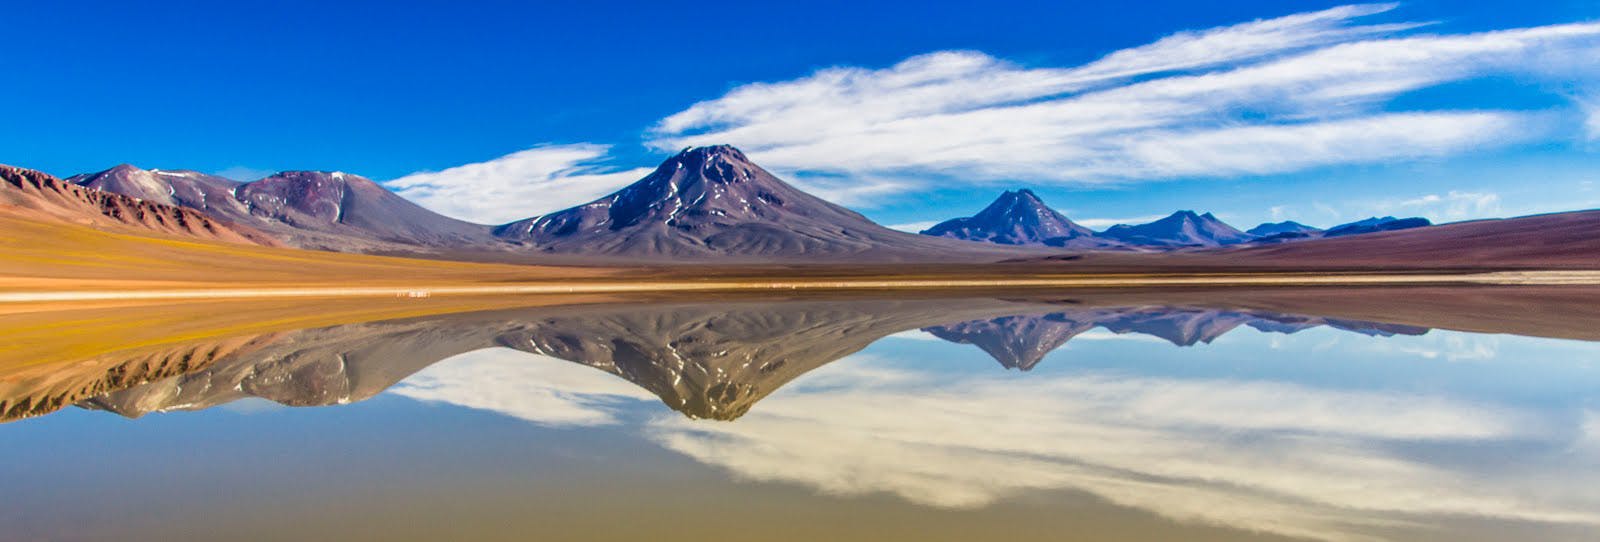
(1181, 229)
(1375, 224)
(305, 209)
(1276, 228)
(1359, 227)
(1553, 241)
(350, 205)
(1019, 218)
(712, 203)
(33, 194)
(190, 189)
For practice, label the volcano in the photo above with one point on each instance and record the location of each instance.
(713, 204)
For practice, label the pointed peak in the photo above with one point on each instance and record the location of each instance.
(124, 169)
(710, 151)
(1021, 194)
(1192, 216)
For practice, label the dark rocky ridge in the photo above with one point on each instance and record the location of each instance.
(1375, 225)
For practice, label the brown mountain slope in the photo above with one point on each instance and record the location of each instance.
(33, 194)
(304, 209)
(1559, 241)
(1553, 241)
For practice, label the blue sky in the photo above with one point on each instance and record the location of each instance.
(909, 112)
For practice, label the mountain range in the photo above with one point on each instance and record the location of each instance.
(713, 203)
(1021, 218)
(35, 195)
(304, 209)
(705, 360)
(703, 205)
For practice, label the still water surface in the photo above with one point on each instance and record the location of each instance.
(870, 419)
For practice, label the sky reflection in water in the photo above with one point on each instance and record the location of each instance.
(1267, 424)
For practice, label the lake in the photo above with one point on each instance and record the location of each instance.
(1283, 414)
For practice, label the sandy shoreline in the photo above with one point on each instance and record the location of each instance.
(1539, 278)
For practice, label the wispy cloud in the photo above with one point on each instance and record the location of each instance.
(1103, 223)
(538, 389)
(1282, 458)
(1450, 206)
(1590, 106)
(1451, 347)
(914, 227)
(1264, 97)
(518, 185)
(243, 174)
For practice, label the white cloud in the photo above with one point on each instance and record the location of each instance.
(1265, 97)
(855, 190)
(1448, 347)
(1189, 50)
(957, 80)
(1591, 116)
(535, 388)
(1103, 223)
(1103, 335)
(518, 185)
(1451, 206)
(1327, 210)
(243, 174)
(1263, 456)
(1276, 149)
(1283, 458)
(914, 227)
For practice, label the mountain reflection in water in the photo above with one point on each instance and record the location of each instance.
(706, 360)
(1364, 452)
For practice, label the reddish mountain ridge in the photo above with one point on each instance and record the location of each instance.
(38, 195)
(306, 209)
